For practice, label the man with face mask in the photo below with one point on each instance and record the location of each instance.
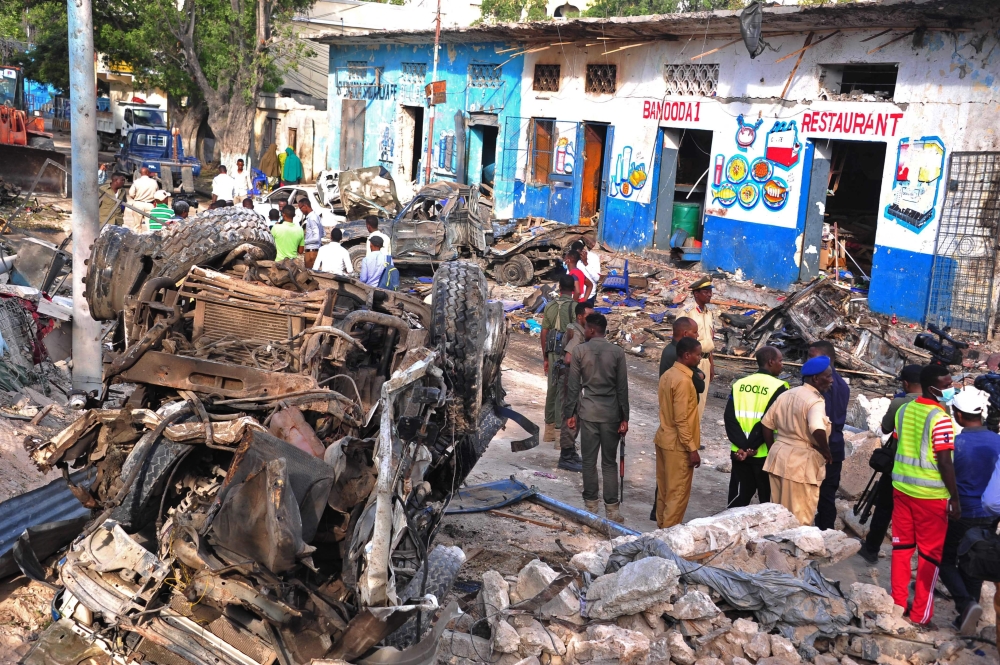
(925, 493)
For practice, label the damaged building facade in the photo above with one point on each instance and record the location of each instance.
(880, 119)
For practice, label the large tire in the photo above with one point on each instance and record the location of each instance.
(443, 564)
(121, 261)
(357, 254)
(517, 270)
(140, 505)
(458, 332)
(208, 238)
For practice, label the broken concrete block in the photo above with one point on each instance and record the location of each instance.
(728, 528)
(535, 640)
(659, 652)
(989, 617)
(680, 652)
(783, 648)
(846, 660)
(531, 660)
(463, 646)
(839, 545)
(758, 647)
(746, 626)
(692, 606)
(635, 588)
(808, 539)
(636, 623)
(869, 598)
(948, 649)
(826, 659)
(709, 661)
(590, 562)
(777, 660)
(654, 618)
(924, 656)
(855, 472)
(494, 597)
(611, 644)
(533, 579)
(741, 661)
(505, 638)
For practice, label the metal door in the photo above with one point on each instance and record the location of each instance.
(968, 238)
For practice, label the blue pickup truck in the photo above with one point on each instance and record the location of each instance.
(155, 149)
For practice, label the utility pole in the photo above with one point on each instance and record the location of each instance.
(87, 368)
(430, 98)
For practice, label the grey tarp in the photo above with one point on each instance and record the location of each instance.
(773, 597)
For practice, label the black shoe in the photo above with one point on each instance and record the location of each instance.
(969, 619)
(867, 555)
(569, 460)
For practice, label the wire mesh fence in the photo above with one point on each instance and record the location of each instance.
(968, 237)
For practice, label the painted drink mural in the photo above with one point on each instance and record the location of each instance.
(919, 167)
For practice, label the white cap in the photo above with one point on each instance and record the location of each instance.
(972, 401)
(160, 195)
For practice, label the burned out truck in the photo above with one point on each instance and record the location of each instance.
(447, 221)
(270, 489)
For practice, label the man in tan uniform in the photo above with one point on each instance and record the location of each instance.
(701, 291)
(679, 435)
(796, 431)
(140, 196)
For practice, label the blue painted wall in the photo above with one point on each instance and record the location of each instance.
(900, 282)
(765, 253)
(396, 89)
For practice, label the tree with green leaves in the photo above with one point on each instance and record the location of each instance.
(610, 8)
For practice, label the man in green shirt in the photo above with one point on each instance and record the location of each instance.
(161, 211)
(289, 238)
(557, 316)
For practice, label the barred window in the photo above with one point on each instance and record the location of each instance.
(546, 78)
(602, 79)
(357, 70)
(694, 80)
(484, 76)
(413, 73)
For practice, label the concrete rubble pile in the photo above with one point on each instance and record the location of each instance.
(621, 603)
(269, 483)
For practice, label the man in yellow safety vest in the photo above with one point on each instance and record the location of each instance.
(924, 491)
(749, 400)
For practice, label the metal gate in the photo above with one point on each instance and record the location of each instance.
(968, 238)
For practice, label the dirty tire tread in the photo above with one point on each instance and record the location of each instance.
(442, 570)
(138, 506)
(357, 254)
(458, 331)
(209, 237)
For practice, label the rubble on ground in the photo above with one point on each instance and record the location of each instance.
(633, 604)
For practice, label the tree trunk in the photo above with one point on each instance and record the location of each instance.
(188, 122)
(232, 125)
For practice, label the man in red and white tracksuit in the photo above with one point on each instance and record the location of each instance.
(924, 491)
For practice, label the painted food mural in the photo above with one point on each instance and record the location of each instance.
(919, 165)
(750, 180)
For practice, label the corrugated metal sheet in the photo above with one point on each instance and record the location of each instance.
(51, 503)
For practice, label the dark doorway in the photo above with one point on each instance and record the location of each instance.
(594, 139)
(352, 134)
(682, 184)
(852, 204)
(693, 159)
(489, 153)
(411, 133)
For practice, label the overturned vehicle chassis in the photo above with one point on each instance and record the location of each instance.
(270, 490)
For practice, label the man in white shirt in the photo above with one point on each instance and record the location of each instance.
(241, 181)
(223, 188)
(140, 196)
(371, 221)
(590, 262)
(334, 257)
(373, 265)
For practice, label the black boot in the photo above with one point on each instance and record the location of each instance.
(569, 460)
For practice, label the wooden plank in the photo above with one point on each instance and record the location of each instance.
(802, 52)
(808, 45)
(891, 41)
(717, 49)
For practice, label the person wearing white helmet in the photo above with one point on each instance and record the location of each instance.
(976, 452)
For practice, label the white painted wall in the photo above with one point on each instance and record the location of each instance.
(947, 88)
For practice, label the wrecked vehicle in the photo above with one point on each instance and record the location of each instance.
(446, 221)
(823, 310)
(270, 490)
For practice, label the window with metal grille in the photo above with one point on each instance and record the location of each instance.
(357, 70)
(484, 76)
(602, 79)
(546, 78)
(414, 73)
(871, 82)
(697, 80)
(541, 149)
